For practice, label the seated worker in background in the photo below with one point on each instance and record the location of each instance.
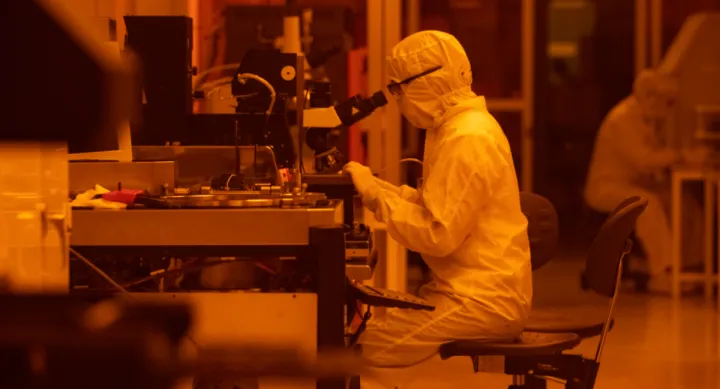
(630, 159)
(466, 220)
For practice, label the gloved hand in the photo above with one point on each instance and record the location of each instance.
(364, 182)
(362, 178)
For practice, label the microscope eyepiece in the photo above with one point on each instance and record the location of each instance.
(378, 99)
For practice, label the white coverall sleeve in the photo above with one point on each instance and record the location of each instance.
(405, 192)
(638, 151)
(458, 186)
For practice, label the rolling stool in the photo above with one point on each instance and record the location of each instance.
(543, 232)
(534, 357)
(565, 320)
(638, 278)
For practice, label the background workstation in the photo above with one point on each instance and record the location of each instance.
(550, 70)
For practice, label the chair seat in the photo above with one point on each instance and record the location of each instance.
(554, 322)
(527, 344)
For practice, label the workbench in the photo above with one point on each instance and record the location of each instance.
(289, 318)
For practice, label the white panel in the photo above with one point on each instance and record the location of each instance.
(694, 57)
(33, 217)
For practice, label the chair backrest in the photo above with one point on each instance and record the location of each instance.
(610, 245)
(542, 227)
(603, 266)
(624, 204)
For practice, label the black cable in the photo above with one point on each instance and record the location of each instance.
(188, 269)
(237, 147)
(112, 282)
(165, 273)
(100, 272)
(361, 328)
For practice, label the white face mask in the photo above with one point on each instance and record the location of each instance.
(414, 114)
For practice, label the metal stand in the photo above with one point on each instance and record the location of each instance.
(327, 248)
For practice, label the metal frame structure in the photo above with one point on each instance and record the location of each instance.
(641, 35)
(648, 34)
(385, 127)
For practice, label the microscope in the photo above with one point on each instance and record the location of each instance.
(322, 121)
(272, 98)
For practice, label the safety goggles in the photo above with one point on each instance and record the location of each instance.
(395, 87)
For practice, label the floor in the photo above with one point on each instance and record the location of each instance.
(655, 343)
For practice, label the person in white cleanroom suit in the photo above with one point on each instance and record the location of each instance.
(466, 220)
(630, 158)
